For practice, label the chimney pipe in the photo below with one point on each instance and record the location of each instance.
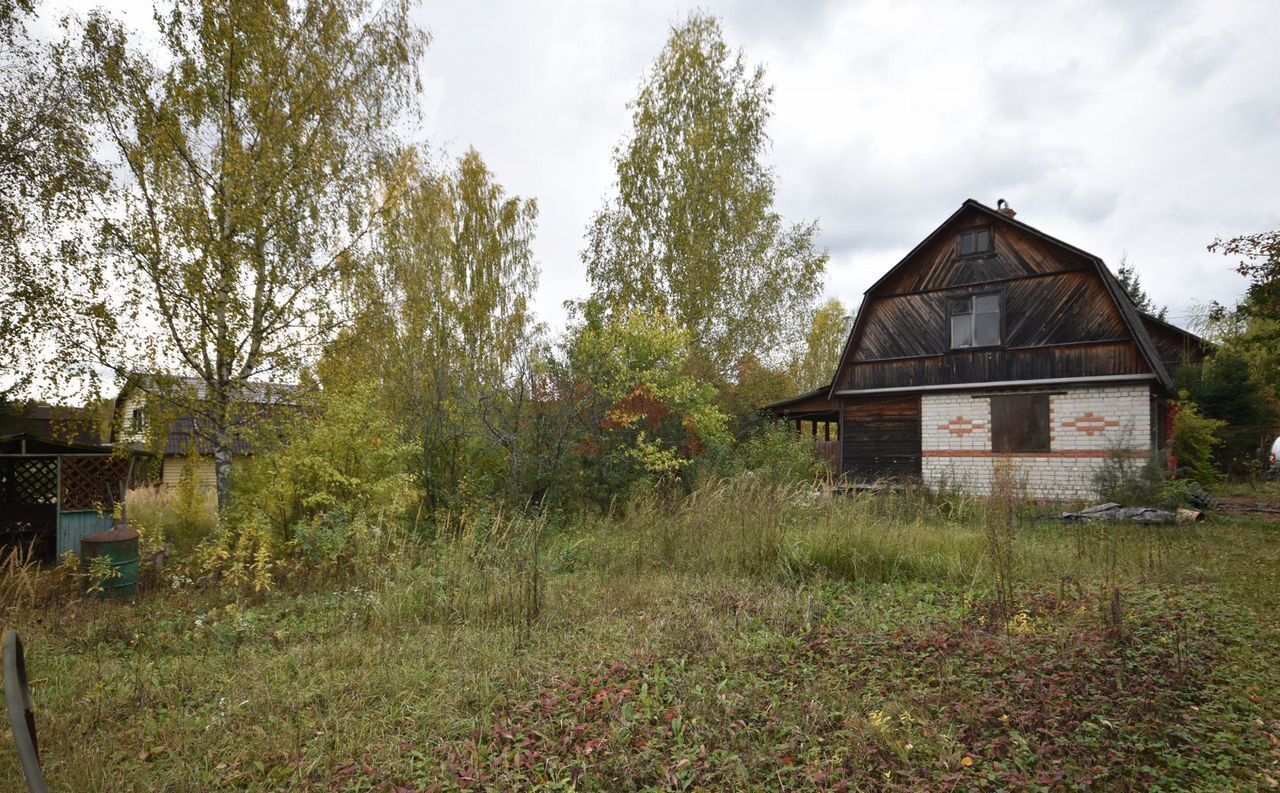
(1003, 208)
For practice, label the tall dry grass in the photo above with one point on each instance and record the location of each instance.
(27, 585)
(487, 574)
(19, 572)
(183, 515)
(755, 527)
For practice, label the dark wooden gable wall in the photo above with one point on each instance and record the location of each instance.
(1175, 345)
(1016, 255)
(1059, 320)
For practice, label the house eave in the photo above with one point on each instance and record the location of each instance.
(1107, 379)
(784, 403)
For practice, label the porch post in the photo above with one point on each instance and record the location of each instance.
(57, 513)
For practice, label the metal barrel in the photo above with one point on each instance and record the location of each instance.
(120, 545)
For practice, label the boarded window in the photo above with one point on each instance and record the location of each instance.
(1020, 423)
(975, 321)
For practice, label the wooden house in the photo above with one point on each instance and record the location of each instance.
(992, 344)
(162, 417)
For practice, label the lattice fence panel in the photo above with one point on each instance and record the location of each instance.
(32, 481)
(92, 482)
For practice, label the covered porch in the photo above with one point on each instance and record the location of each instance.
(815, 415)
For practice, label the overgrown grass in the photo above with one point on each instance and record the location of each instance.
(183, 515)
(787, 532)
(748, 635)
(484, 576)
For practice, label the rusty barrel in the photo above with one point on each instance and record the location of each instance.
(120, 545)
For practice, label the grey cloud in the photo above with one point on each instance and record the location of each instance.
(1026, 94)
(1142, 25)
(1255, 117)
(864, 203)
(1190, 64)
(1064, 109)
(786, 24)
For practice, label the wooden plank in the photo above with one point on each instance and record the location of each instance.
(1055, 309)
(880, 438)
(1016, 254)
(1093, 359)
(1020, 423)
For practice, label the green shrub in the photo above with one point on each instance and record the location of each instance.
(1129, 482)
(648, 417)
(777, 453)
(1194, 440)
(329, 492)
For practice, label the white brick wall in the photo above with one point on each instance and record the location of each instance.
(955, 421)
(1086, 426)
(1101, 419)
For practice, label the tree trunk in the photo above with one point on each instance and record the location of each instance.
(222, 465)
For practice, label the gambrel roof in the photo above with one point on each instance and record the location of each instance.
(1133, 321)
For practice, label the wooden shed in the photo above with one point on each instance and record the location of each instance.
(53, 493)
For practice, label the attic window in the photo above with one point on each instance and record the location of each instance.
(135, 420)
(975, 321)
(974, 242)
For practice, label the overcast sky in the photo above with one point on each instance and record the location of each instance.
(1141, 127)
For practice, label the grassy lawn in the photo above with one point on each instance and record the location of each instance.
(738, 641)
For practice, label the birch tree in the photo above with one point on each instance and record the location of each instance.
(245, 148)
(48, 183)
(691, 231)
(822, 346)
(448, 320)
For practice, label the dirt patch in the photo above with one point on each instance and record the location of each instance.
(1263, 509)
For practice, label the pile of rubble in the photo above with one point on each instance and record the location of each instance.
(1113, 512)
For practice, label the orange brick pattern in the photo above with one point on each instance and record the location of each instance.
(961, 426)
(1090, 424)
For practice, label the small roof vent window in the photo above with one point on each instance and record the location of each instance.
(974, 242)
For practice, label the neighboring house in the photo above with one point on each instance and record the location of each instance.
(178, 436)
(73, 425)
(994, 345)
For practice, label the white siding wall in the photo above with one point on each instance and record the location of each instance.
(1086, 426)
(124, 432)
(202, 469)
